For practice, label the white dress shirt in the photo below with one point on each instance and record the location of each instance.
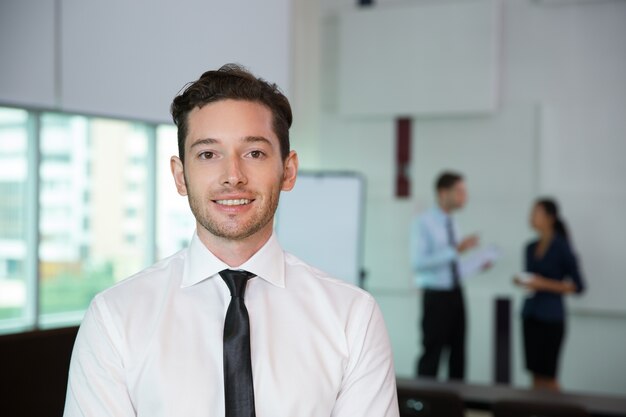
(152, 344)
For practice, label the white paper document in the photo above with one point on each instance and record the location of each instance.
(475, 262)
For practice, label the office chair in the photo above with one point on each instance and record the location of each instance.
(511, 408)
(426, 403)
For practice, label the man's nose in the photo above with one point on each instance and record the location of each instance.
(233, 172)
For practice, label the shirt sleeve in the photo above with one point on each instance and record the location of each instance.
(572, 269)
(96, 386)
(425, 256)
(368, 388)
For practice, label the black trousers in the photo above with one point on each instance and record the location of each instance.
(443, 328)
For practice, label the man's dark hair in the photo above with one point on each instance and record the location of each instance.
(232, 81)
(447, 180)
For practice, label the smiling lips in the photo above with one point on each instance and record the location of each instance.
(238, 202)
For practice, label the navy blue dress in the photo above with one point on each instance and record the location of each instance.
(544, 312)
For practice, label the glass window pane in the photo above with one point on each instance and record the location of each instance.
(175, 223)
(13, 193)
(93, 201)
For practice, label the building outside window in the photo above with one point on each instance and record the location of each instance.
(102, 206)
(13, 232)
(175, 224)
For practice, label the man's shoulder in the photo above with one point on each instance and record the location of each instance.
(427, 220)
(428, 215)
(153, 278)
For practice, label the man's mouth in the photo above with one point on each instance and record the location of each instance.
(238, 202)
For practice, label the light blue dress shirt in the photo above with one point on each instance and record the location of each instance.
(431, 252)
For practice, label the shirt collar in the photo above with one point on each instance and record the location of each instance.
(267, 263)
(442, 215)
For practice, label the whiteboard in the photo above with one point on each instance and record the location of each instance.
(320, 221)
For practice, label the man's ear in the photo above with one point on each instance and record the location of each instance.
(290, 171)
(178, 172)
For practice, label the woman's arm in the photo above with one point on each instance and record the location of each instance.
(539, 283)
(573, 270)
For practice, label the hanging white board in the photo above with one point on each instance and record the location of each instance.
(320, 221)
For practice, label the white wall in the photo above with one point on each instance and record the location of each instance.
(559, 130)
(129, 59)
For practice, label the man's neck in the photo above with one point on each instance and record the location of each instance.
(443, 208)
(234, 253)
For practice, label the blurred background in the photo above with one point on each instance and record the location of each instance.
(526, 97)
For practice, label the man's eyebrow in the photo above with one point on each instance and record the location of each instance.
(247, 139)
(207, 141)
(252, 139)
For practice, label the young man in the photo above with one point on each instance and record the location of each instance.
(232, 326)
(435, 251)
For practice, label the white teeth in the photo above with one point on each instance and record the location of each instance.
(239, 202)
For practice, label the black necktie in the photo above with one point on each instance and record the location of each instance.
(238, 387)
(454, 266)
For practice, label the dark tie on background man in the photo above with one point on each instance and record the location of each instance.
(238, 387)
(454, 265)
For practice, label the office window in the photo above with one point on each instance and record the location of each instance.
(175, 223)
(13, 213)
(89, 243)
(84, 203)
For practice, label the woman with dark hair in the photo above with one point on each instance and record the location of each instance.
(551, 272)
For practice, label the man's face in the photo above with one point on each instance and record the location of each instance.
(459, 192)
(454, 198)
(233, 172)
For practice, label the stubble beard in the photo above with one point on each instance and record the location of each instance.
(233, 229)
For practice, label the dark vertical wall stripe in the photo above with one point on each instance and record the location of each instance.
(403, 157)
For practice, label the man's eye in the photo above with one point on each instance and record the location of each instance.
(256, 154)
(207, 155)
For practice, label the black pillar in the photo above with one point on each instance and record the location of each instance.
(502, 339)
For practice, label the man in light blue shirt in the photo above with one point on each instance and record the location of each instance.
(435, 251)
